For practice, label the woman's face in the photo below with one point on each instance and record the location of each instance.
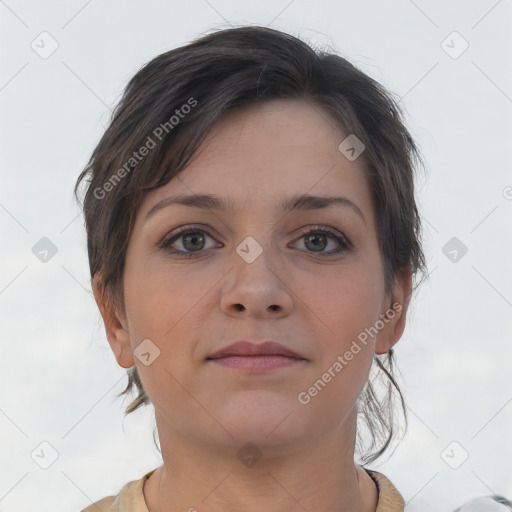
(257, 272)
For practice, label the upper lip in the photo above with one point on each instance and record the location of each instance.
(247, 348)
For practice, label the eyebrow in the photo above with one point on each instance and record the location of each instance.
(213, 202)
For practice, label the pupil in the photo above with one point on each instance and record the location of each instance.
(315, 238)
(193, 237)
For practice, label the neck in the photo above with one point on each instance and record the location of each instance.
(321, 476)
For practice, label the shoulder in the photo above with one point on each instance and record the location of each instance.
(390, 500)
(129, 499)
(104, 505)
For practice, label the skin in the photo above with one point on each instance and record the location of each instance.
(314, 303)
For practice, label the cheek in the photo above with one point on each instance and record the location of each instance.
(160, 299)
(345, 355)
(342, 308)
(345, 302)
(166, 307)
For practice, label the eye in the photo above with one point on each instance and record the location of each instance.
(186, 241)
(317, 239)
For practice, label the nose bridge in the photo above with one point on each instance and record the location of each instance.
(254, 282)
(254, 262)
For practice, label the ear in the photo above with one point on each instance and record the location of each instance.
(117, 334)
(395, 312)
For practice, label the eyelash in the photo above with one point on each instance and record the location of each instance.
(345, 244)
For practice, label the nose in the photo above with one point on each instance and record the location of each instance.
(257, 287)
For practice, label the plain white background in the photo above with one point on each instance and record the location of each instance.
(59, 378)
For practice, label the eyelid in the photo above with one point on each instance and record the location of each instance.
(182, 230)
(327, 230)
(343, 241)
(344, 244)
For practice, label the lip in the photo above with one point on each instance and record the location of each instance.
(256, 363)
(253, 357)
(249, 349)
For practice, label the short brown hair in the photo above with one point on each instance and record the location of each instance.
(216, 74)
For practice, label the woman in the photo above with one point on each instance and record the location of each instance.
(253, 241)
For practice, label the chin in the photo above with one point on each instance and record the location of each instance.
(261, 417)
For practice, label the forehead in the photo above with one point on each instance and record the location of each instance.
(265, 151)
(278, 130)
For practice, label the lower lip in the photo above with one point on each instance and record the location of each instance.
(257, 363)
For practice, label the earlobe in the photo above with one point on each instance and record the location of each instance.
(117, 335)
(396, 312)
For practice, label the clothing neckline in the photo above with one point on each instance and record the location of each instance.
(388, 497)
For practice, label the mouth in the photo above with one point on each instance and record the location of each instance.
(244, 355)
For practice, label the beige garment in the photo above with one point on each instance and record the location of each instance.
(131, 497)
